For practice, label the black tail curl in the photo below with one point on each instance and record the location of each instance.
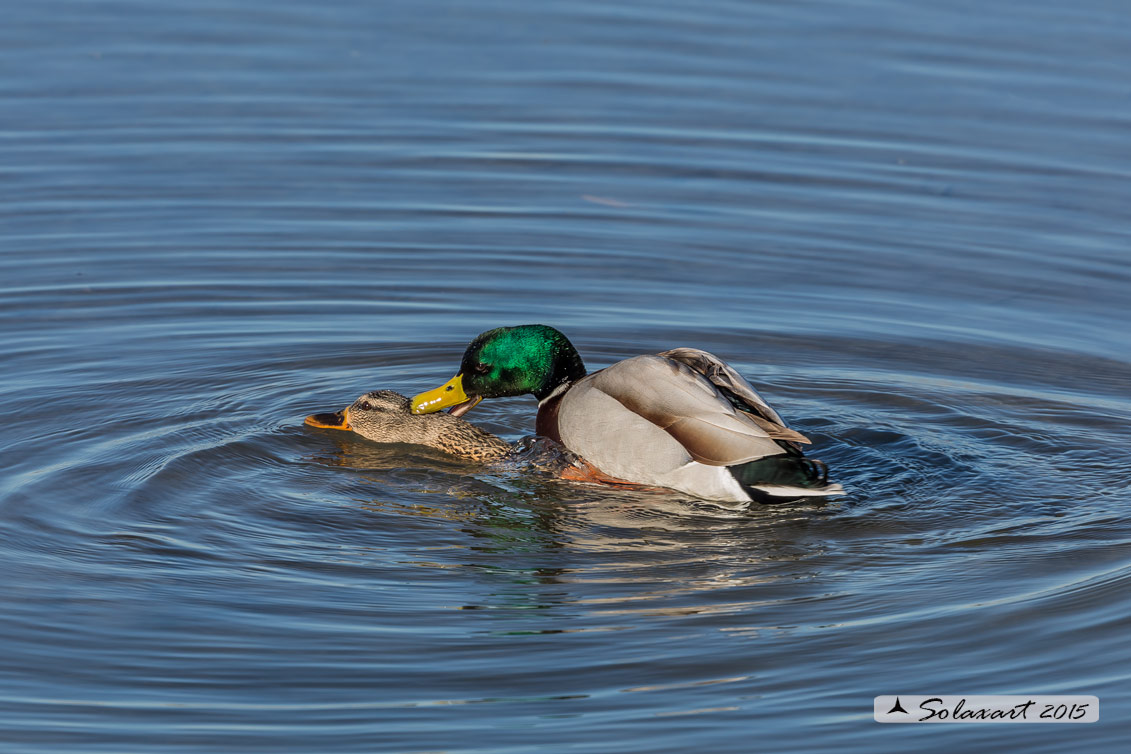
(780, 471)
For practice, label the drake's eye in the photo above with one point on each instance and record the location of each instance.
(481, 368)
(366, 405)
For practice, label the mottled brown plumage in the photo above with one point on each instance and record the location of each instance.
(384, 416)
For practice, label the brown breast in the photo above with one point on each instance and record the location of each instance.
(546, 424)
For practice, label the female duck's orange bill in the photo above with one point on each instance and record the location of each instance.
(336, 420)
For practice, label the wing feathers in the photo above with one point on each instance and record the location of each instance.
(779, 431)
(689, 407)
(723, 376)
(713, 445)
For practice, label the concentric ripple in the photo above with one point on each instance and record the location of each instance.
(906, 223)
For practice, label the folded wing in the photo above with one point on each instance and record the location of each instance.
(679, 392)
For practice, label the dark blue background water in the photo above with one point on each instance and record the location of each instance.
(906, 222)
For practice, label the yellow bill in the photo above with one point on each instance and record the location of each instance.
(449, 394)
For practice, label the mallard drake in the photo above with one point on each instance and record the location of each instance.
(384, 416)
(682, 419)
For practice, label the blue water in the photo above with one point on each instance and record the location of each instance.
(906, 222)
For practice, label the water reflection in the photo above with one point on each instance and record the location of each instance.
(598, 551)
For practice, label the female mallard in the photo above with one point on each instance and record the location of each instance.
(384, 416)
(682, 419)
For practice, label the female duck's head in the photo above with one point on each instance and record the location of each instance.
(506, 361)
(381, 415)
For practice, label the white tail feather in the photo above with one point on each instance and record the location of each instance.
(781, 490)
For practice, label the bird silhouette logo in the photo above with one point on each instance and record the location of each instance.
(898, 708)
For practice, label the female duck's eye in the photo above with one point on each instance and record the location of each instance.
(366, 405)
(481, 368)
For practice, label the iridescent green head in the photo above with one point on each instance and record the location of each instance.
(506, 361)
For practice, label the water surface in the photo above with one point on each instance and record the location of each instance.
(906, 223)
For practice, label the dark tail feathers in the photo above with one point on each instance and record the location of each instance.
(782, 478)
